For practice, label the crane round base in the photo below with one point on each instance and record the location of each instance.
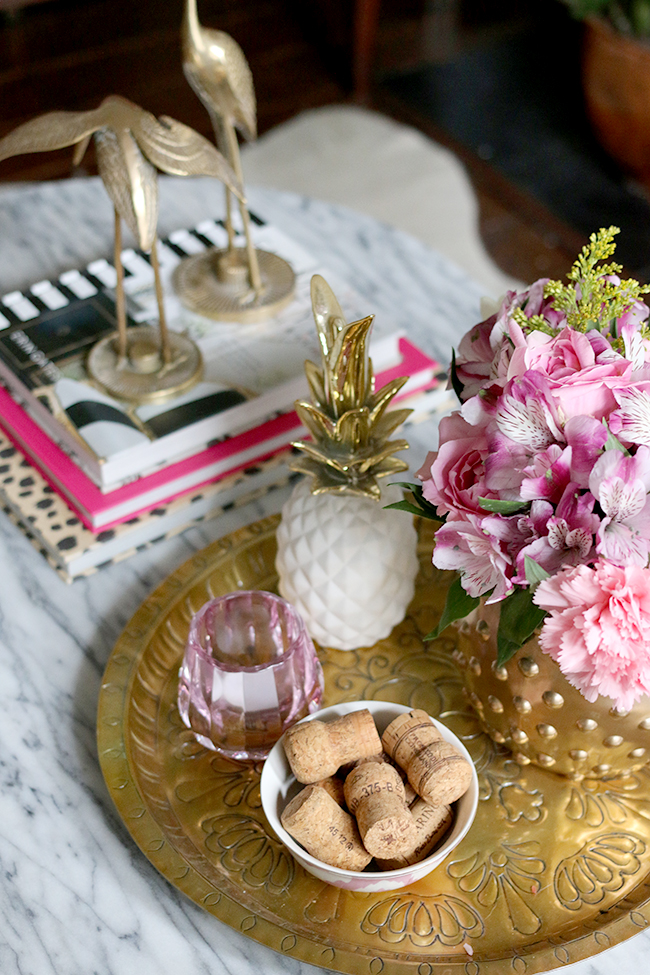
(216, 284)
(141, 376)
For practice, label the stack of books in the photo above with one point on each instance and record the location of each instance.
(91, 479)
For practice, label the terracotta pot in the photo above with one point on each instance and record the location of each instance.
(529, 707)
(616, 84)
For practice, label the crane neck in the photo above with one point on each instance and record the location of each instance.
(191, 23)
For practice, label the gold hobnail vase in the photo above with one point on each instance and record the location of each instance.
(528, 706)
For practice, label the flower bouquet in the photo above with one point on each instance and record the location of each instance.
(542, 477)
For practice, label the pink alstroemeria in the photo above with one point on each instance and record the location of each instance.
(586, 437)
(548, 475)
(527, 414)
(551, 470)
(620, 484)
(524, 530)
(523, 422)
(629, 325)
(503, 467)
(532, 302)
(469, 546)
(598, 629)
(567, 538)
(631, 421)
(629, 328)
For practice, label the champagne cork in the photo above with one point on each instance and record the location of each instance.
(439, 773)
(325, 830)
(431, 823)
(334, 786)
(407, 735)
(375, 795)
(435, 769)
(315, 749)
(410, 795)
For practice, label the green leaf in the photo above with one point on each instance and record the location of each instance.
(424, 508)
(534, 572)
(502, 507)
(407, 485)
(459, 604)
(518, 621)
(641, 18)
(405, 506)
(456, 384)
(613, 443)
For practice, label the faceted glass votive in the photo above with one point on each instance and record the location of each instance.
(249, 671)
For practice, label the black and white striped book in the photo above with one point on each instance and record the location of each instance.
(252, 373)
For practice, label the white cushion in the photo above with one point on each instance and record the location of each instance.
(366, 161)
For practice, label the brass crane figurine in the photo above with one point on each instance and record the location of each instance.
(225, 284)
(135, 364)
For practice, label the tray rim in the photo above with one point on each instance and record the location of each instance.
(151, 839)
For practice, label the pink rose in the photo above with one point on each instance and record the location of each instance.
(456, 477)
(582, 370)
(598, 629)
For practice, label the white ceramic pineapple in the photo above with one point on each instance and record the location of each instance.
(344, 561)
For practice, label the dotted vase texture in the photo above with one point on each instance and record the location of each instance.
(529, 706)
(347, 564)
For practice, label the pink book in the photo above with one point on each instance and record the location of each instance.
(99, 510)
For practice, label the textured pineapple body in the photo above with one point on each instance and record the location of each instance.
(347, 564)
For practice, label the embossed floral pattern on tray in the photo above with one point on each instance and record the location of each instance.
(552, 871)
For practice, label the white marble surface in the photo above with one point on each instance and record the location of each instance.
(77, 897)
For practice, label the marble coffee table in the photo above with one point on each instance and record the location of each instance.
(77, 895)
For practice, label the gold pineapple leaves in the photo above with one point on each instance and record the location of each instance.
(349, 422)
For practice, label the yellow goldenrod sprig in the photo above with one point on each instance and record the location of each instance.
(590, 300)
(536, 323)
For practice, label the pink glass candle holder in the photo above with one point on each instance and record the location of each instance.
(249, 671)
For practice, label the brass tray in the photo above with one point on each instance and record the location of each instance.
(551, 872)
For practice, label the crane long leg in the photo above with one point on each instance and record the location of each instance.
(230, 230)
(253, 266)
(221, 139)
(120, 300)
(162, 320)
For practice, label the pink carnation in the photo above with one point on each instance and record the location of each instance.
(598, 629)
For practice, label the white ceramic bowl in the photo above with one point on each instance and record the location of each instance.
(278, 781)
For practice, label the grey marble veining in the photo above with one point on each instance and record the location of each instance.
(76, 896)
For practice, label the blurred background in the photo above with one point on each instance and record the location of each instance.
(515, 88)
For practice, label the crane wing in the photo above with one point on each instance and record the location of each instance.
(131, 183)
(55, 130)
(177, 149)
(240, 80)
(218, 73)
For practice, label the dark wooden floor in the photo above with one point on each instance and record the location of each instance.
(69, 54)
